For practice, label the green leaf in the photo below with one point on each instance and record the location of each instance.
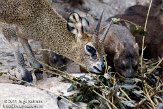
(1, 73)
(79, 98)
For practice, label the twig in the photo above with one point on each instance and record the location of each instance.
(65, 75)
(145, 29)
(159, 62)
(141, 57)
(151, 102)
(125, 94)
(146, 21)
(46, 50)
(145, 99)
(105, 99)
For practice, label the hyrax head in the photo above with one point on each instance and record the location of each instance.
(126, 59)
(87, 48)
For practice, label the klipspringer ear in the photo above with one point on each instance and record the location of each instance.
(85, 24)
(77, 25)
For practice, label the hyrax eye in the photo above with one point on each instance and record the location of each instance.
(122, 66)
(90, 49)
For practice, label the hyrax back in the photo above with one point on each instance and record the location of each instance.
(153, 38)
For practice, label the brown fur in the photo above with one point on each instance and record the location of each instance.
(142, 10)
(74, 3)
(154, 38)
(122, 50)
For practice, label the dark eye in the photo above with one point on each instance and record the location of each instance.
(55, 58)
(94, 56)
(90, 49)
(122, 66)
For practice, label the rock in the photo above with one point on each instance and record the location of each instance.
(12, 95)
(110, 7)
(5, 79)
(56, 85)
(160, 106)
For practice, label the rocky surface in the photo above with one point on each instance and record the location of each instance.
(95, 7)
(43, 94)
(12, 95)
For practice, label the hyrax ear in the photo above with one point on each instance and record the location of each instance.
(136, 47)
(119, 47)
(77, 25)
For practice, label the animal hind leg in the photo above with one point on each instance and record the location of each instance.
(10, 34)
(31, 58)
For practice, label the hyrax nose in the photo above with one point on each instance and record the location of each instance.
(130, 73)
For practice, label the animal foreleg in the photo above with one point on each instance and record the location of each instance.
(31, 58)
(23, 73)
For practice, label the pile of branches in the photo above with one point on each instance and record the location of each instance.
(145, 91)
(113, 91)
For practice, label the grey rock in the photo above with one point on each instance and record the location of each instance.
(13, 95)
